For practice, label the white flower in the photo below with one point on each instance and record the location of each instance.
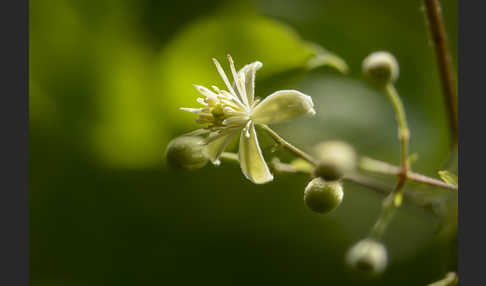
(236, 110)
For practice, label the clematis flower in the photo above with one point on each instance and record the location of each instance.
(235, 111)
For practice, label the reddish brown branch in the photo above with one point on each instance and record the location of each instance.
(439, 39)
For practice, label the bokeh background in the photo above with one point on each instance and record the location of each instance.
(106, 80)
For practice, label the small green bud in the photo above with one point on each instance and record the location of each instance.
(321, 196)
(186, 153)
(381, 67)
(328, 171)
(368, 256)
(335, 159)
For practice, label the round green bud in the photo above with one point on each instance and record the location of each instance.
(328, 171)
(368, 256)
(323, 197)
(380, 68)
(186, 153)
(335, 159)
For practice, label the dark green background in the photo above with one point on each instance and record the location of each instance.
(106, 80)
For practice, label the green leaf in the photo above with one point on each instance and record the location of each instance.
(323, 57)
(448, 177)
(412, 158)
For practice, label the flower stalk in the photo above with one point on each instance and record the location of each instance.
(395, 198)
(296, 151)
(403, 135)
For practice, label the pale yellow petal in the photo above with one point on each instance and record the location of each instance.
(216, 147)
(251, 159)
(282, 105)
(248, 72)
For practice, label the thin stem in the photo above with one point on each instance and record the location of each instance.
(296, 151)
(395, 197)
(381, 167)
(368, 183)
(403, 132)
(366, 164)
(382, 222)
(354, 178)
(229, 156)
(449, 88)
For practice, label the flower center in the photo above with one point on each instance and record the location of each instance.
(221, 109)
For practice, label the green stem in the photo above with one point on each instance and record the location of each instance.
(382, 222)
(403, 132)
(354, 178)
(394, 199)
(296, 151)
(232, 157)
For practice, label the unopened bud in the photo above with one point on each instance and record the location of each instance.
(321, 196)
(381, 68)
(335, 159)
(186, 153)
(368, 256)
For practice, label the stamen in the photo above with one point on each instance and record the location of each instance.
(223, 76)
(216, 88)
(212, 100)
(237, 80)
(228, 110)
(204, 115)
(201, 101)
(192, 110)
(230, 104)
(204, 91)
(236, 100)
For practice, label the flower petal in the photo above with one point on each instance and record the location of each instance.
(215, 148)
(251, 159)
(248, 72)
(282, 105)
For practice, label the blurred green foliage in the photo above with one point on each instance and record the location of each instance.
(106, 79)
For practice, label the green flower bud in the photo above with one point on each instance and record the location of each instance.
(335, 159)
(368, 256)
(381, 68)
(186, 153)
(321, 196)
